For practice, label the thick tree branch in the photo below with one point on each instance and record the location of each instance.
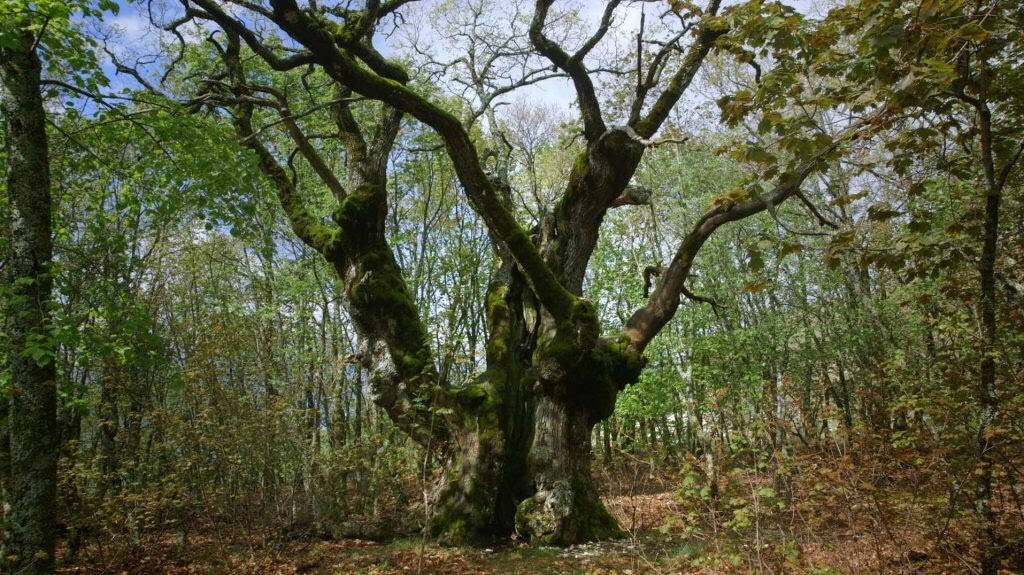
(351, 135)
(706, 36)
(593, 123)
(343, 67)
(648, 321)
(307, 150)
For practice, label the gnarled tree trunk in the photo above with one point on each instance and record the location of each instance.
(487, 462)
(566, 507)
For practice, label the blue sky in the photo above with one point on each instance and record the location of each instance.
(138, 36)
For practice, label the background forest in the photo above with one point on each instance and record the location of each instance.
(839, 392)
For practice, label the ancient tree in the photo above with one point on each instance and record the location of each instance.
(516, 440)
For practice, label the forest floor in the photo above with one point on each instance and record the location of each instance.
(645, 550)
(840, 522)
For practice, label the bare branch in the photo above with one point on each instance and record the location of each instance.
(1004, 173)
(593, 123)
(822, 220)
(281, 64)
(706, 37)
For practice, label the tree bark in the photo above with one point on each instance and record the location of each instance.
(987, 398)
(33, 431)
(565, 507)
(606, 442)
(486, 474)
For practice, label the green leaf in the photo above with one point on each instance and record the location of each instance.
(881, 212)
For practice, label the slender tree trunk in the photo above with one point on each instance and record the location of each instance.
(667, 445)
(357, 423)
(678, 428)
(844, 390)
(108, 429)
(606, 441)
(643, 437)
(987, 398)
(33, 431)
(5, 465)
(780, 479)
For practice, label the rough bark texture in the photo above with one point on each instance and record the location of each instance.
(988, 400)
(486, 476)
(565, 507)
(33, 431)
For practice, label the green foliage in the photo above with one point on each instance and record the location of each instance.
(208, 366)
(55, 29)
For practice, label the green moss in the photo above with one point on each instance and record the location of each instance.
(585, 323)
(496, 292)
(576, 186)
(465, 512)
(594, 523)
(588, 371)
(545, 284)
(561, 348)
(573, 337)
(379, 291)
(360, 213)
(615, 366)
(625, 362)
(471, 397)
(327, 240)
(379, 284)
(498, 315)
(531, 521)
(352, 30)
(592, 378)
(616, 141)
(587, 520)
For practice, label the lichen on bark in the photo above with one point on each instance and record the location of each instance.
(32, 432)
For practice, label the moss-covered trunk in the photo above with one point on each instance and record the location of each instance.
(565, 507)
(32, 420)
(484, 482)
(523, 456)
(487, 471)
(576, 377)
